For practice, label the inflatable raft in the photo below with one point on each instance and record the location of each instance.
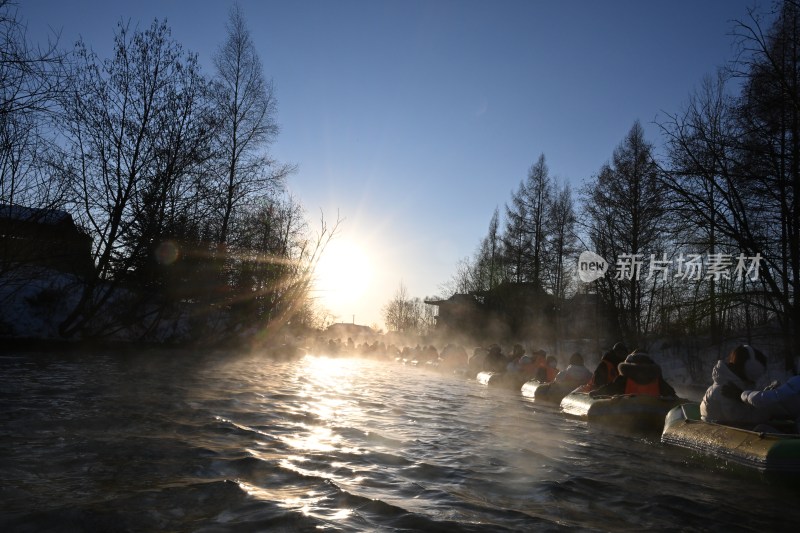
(771, 453)
(503, 380)
(636, 413)
(546, 393)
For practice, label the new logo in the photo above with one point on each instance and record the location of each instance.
(591, 266)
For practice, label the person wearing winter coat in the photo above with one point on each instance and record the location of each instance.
(495, 360)
(638, 375)
(547, 372)
(782, 401)
(607, 370)
(743, 367)
(517, 359)
(576, 374)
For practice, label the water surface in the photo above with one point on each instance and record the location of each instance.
(162, 441)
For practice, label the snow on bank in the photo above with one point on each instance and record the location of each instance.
(35, 300)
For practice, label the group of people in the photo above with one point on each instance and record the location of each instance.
(538, 365)
(733, 398)
(619, 371)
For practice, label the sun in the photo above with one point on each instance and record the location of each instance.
(343, 274)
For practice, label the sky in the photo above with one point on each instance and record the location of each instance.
(413, 120)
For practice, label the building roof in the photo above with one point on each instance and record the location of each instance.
(34, 214)
(350, 329)
(454, 298)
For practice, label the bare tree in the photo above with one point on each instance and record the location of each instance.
(30, 81)
(562, 240)
(400, 313)
(525, 236)
(247, 105)
(736, 166)
(625, 211)
(132, 131)
(702, 143)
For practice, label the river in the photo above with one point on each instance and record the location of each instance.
(164, 441)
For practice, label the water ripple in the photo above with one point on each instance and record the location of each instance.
(212, 443)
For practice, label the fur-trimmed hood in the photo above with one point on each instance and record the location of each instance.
(722, 374)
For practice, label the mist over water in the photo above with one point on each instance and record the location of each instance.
(210, 442)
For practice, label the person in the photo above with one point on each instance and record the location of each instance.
(743, 367)
(453, 356)
(477, 360)
(430, 354)
(547, 372)
(529, 365)
(517, 358)
(639, 375)
(566, 381)
(576, 373)
(495, 360)
(782, 401)
(607, 369)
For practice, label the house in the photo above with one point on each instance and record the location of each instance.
(526, 308)
(457, 314)
(346, 331)
(43, 237)
(522, 311)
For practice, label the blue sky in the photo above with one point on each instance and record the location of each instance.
(415, 119)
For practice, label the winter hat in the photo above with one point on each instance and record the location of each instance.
(640, 368)
(576, 359)
(618, 352)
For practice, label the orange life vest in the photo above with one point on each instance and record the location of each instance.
(551, 373)
(648, 389)
(527, 368)
(611, 371)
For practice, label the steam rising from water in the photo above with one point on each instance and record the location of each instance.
(160, 442)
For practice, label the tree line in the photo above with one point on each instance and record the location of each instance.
(168, 170)
(703, 239)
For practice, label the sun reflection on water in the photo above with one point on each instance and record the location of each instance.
(307, 502)
(319, 439)
(328, 392)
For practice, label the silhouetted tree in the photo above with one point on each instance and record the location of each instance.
(247, 107)
(487, 270)
(133, 130)
(625, 213)
(30, 81)
(702, 143)
(561, 244)
(525, 235)
(402, 313)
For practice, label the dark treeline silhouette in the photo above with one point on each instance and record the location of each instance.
(167, 170)
(713, 226)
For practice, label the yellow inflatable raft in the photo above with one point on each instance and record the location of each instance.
(777, 453)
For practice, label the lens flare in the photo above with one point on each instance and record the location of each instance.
(166, 253)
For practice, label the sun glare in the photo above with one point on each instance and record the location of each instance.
(343, 273)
